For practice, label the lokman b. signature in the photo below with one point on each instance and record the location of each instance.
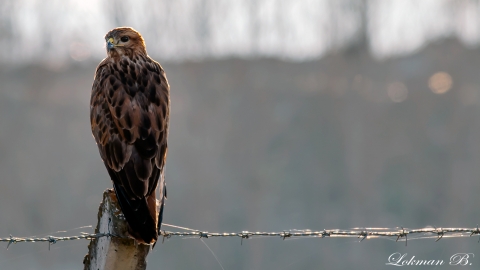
(398, 259)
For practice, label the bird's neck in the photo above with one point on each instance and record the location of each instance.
(129, 54)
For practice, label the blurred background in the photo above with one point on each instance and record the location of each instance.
(285, 115)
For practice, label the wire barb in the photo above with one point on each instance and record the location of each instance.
(364, 234)
(286, 234)
(401, 235)
(164, 235)
(51, 241)
(477, 231)
(12, 240)
(440, 234)
(243, 235)
(203, 234)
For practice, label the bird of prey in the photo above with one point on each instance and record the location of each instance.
(129, 115)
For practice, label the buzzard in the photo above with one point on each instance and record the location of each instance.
(129, 114)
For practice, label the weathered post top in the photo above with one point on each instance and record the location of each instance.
(114, 253)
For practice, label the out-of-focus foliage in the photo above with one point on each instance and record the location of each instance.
(55, 31)
(264, 144)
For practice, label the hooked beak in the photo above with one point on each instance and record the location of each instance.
(110, 44)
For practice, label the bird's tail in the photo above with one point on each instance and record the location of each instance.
(141, 215)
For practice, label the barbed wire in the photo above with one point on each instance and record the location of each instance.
(363, 233)
(54, 239)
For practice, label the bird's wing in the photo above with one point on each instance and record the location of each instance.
(129, 111)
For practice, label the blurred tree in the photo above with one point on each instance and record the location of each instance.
(359, 41)
(37, 30)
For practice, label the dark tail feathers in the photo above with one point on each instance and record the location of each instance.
(142, 224)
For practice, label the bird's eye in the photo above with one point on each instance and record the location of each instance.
(124, 39)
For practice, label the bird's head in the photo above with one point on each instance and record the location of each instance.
(124, 41)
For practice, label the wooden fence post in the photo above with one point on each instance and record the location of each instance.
(114, 253)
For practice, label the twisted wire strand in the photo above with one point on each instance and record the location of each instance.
(363, 233)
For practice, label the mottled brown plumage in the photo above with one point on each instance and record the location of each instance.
(129, 113)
